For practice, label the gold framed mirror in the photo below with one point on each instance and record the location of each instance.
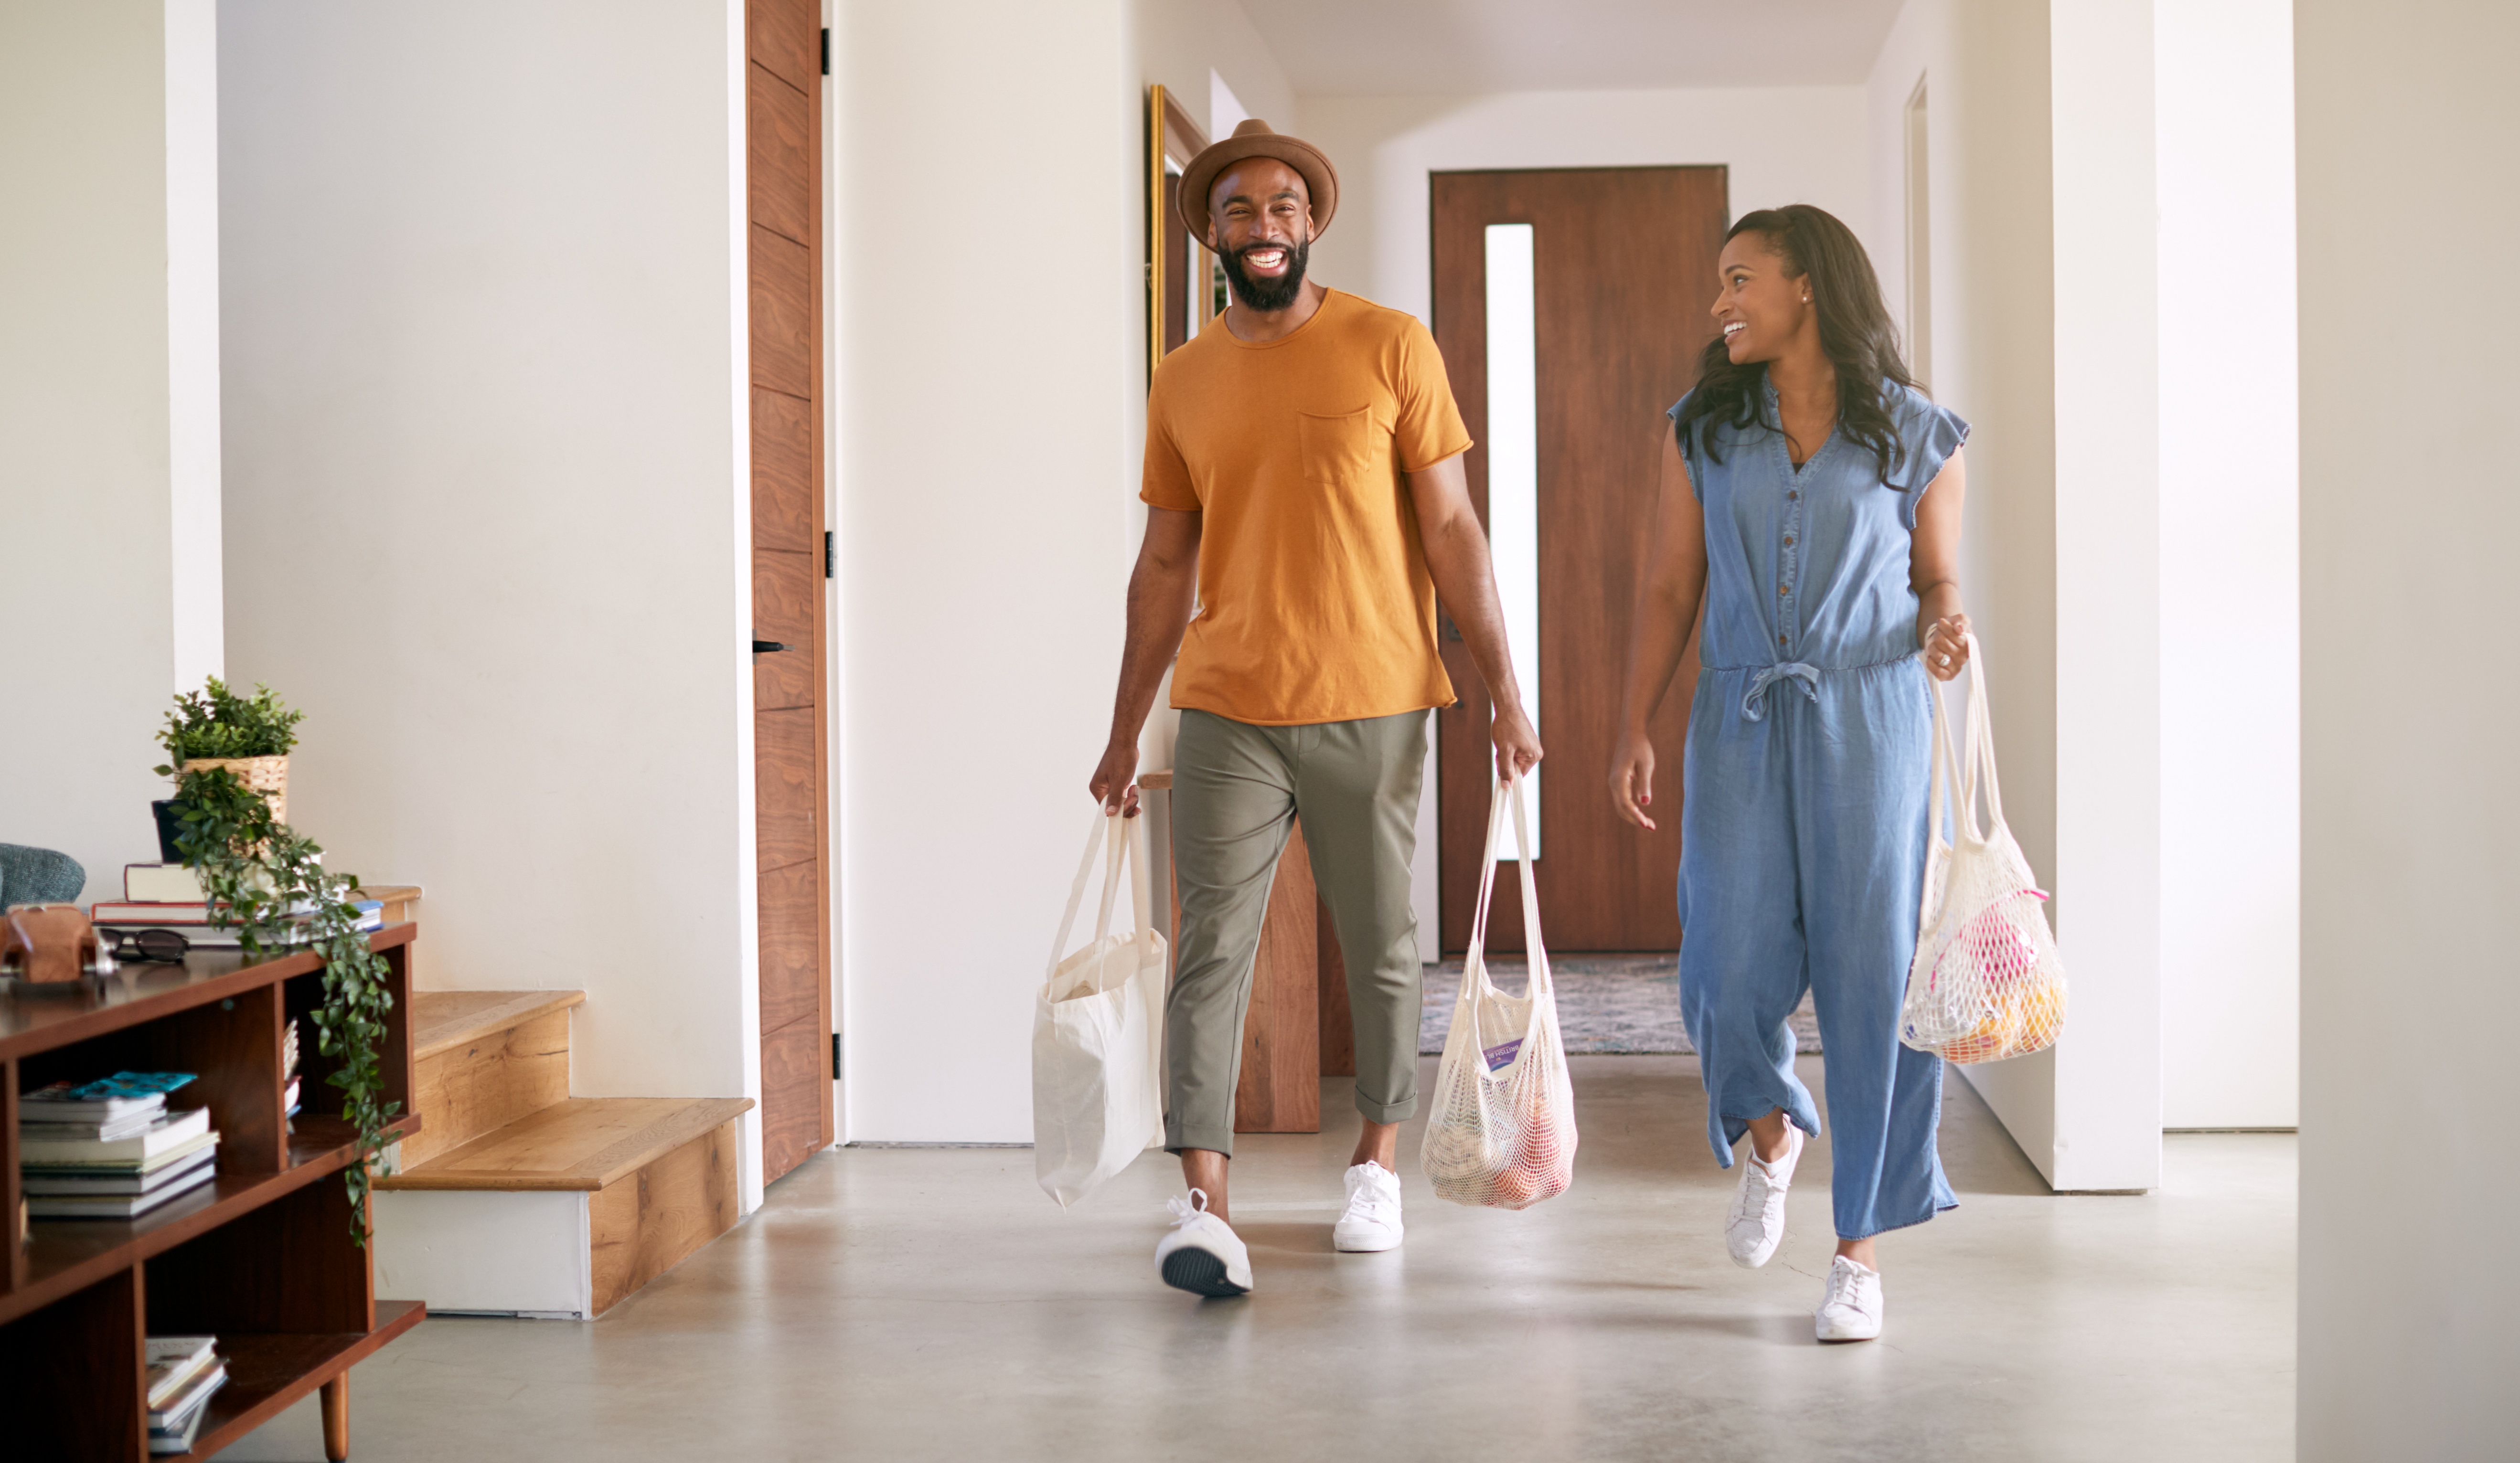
(1185, 285)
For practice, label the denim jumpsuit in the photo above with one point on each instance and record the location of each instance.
(1804, 809)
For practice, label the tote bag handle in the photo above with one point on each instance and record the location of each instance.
(1509, 789)
(1115, 849)
(1963, 766)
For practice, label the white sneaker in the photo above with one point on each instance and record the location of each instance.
(1757, 1223)
(1202, 1254)
(1852, 1308)
(1371, 1219)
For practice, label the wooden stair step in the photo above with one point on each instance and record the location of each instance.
(444, 1019)
(577, 1143)
(481, 1059)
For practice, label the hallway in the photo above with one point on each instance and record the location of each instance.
(919, 1304)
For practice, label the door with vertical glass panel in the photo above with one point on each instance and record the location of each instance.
(1571, 308)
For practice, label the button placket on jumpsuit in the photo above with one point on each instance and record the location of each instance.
(1804, 802)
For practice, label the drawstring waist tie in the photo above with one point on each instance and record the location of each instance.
(1754, 702)
(1801, 675)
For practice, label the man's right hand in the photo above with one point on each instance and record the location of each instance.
(1115, 779)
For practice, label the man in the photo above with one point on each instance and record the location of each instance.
(1304, 489)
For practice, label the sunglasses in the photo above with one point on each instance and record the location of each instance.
(161, 946)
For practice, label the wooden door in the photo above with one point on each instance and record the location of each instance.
(1623, 273)
(783, 125)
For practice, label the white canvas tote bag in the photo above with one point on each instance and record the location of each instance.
(1097, 1030)
(1500, 1131)
(1986, 983)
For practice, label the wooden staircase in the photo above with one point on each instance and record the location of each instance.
(517, 1198)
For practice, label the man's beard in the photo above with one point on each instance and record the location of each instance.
(1268, 297)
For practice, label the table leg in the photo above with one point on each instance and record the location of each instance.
(337, 1418)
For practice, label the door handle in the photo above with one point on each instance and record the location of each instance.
(764, 648)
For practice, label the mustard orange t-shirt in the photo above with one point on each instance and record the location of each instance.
(1315, 604)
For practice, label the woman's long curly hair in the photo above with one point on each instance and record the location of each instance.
(1855, 332)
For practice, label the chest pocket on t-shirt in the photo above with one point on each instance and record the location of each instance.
(1338, 451)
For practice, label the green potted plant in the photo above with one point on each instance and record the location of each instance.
(229, 756)
(248, 735)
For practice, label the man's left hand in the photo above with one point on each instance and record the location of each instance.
(1518, 744)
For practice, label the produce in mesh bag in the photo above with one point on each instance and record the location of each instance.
(1986, 983)
(1501, 1130)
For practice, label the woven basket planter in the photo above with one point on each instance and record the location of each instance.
(268, 776)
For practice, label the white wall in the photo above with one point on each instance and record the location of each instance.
(486, 507)
(2409, 506)
(1782, 144)
(985, 472)
(1986, 64)
(2230, 581)
(1181, 41)
(108, 412)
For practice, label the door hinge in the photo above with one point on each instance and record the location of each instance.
(827, 50)
(831, 556)
(835, 1056)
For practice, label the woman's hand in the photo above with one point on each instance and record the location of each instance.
(1947, 647)
(1632, 778)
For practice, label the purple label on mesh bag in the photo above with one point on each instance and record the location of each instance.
(1501, 1053)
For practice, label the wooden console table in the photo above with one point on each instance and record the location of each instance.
(1298, 1028)
(261, 1257)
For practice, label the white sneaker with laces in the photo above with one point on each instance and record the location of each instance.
(1757, 1222)
(1852, 1308)
(1372, 1221)
(1202, 1254)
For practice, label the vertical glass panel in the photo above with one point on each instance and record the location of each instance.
(1514, 475)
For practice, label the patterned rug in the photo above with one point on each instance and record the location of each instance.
(1606, 1004)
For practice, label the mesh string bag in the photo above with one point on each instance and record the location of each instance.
(1986, 983)
(1500, 1131)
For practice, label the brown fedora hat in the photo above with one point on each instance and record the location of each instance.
(1254, 139)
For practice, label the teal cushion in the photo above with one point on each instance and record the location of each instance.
(39, 876)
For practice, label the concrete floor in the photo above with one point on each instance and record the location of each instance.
(925, 1303)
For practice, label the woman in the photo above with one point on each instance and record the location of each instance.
(1813, 495)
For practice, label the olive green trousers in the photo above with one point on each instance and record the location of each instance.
(1237, 790)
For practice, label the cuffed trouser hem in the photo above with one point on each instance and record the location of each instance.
(1387, 1112)
(1178, 1138)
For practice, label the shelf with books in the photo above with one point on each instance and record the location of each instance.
(261, 1257)
(61, 1255)
(269, 1372)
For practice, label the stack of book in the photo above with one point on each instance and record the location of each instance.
(112, 1149)
(168, 896)
(161, 897)
(183, 1372)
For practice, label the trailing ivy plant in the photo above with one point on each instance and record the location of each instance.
(267, 881)
(216, 721)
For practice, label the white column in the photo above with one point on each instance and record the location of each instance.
(109, 411)
(2231, 577)
(2089, 1114)
(198, 583)
(2409, 510)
